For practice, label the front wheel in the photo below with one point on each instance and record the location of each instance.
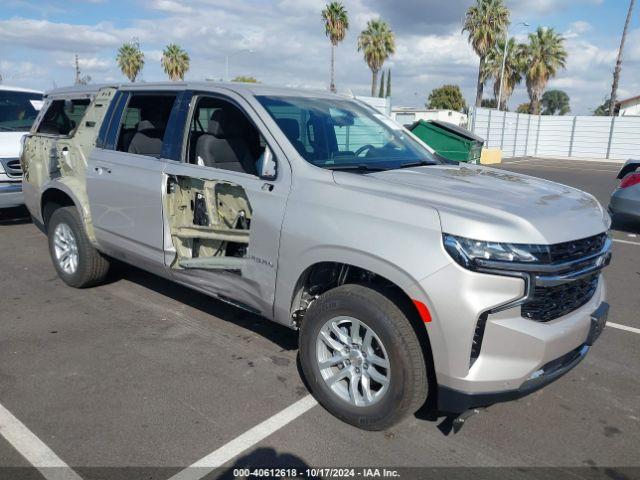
(77, 262)
(361, 357)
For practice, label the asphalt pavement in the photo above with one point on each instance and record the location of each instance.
(140, 378)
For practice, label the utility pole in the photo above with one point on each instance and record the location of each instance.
(616, 72)
(78, 78)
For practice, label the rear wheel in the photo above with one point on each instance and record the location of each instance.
(77, 262)
(361, 357)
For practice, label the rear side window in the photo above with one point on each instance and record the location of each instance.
(144, 124)
(63, 116)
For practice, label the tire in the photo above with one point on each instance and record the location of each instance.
(393, 336)
(91, 267)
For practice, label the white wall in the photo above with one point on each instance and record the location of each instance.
(630, 110)
(405, 117)
(519, 134)
(383, 105)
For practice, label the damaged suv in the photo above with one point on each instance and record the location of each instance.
(405, 275)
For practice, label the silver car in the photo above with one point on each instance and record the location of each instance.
(404, 276)
(625, 200)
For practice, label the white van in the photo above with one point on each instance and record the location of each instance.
(18, 109)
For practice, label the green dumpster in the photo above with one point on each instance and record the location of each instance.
(449, 140)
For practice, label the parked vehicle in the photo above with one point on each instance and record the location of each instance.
(18, 110)
(625, 199)
(404, 276)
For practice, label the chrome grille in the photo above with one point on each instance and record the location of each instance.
(577, 249)
(12, 167)
(549, 303)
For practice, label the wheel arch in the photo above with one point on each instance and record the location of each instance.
(53, 198)
(400, 289)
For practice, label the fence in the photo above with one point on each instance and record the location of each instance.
(521, 134)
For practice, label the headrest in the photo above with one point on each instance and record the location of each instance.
(227, 123)
(146, 125)
(290, 127)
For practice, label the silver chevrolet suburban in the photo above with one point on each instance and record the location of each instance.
(406, 275)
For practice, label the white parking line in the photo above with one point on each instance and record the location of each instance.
(628, 242)
(248, 439)
(33, 449)
(623, 327)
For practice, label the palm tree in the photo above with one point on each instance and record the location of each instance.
(378, 44)
(130, 60)
(616, 72)
(486, 21)
(336, 24)
(175, 62)
(514, 64)
(545, 55)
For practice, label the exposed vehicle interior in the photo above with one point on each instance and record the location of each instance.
(144, 123)
(210, 220)
(222, 137)
(63, 116)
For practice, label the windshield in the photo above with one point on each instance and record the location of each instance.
(342, 134)
(18, 110)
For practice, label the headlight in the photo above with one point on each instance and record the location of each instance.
(472, 253)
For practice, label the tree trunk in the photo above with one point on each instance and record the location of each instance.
(480, 87)
(332, 87)
(374, 82)
(616, 72)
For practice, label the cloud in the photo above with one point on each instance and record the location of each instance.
(171, 6)
(95, 64)
(290, 48)
(46, 35)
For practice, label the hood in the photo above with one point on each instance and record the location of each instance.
(490, 204)
(10, 144)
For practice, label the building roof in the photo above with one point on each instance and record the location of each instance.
(629, 101)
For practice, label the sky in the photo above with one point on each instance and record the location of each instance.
(282, 42)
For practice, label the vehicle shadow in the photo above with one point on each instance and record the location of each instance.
(282, 336)
(263, 458)
(14, 216)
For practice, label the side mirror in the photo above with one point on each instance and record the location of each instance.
(267, 165)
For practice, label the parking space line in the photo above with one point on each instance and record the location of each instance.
(628, 242)
(623, 327)
(245, 441)
(33, 449)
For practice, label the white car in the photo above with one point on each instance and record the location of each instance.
(18, 109)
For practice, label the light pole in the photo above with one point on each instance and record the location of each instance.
(504, 61)
(226, 63)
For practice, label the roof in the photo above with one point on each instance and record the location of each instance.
(421, 109)
(632, 100)
(18, 89)
(242, 88)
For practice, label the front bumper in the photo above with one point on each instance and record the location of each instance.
(455, 401)
(11, 194)
(513, 349)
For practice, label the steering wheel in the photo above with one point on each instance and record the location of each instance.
(364, 148)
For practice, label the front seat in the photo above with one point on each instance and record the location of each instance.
(291, 129)
(225, 144)
(147, 140)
